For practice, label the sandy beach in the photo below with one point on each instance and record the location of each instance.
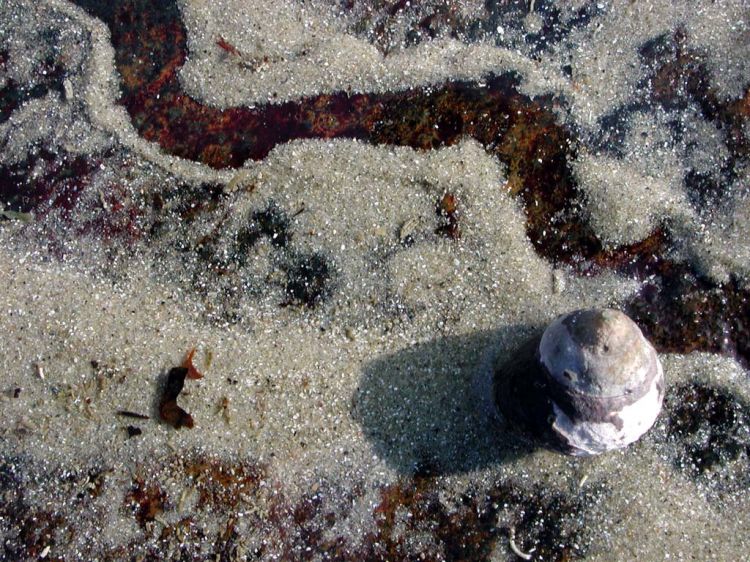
(346, 214)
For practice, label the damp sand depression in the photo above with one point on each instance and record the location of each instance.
(349, 210)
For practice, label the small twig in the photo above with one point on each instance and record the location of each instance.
(135, 415)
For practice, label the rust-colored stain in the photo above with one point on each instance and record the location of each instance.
(145, 500)
(222, 486)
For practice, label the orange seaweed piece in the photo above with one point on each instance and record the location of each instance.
(227, 46)
(192, 372)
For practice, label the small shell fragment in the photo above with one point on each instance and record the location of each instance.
(68, 89)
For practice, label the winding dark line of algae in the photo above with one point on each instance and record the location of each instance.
(679, 309)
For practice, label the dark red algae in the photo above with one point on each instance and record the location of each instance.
(150, 46)
(240, 495)
(59, 182)
(49, 77)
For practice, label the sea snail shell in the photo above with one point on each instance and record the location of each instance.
(589, 384)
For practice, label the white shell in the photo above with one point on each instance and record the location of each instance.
(606, 383)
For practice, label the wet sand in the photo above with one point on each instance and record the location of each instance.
(351, 212)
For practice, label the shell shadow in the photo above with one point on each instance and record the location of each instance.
(428, 409)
